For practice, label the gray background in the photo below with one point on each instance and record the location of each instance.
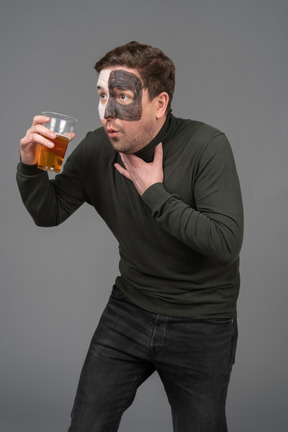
(231, 62)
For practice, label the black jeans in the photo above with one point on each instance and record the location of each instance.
(193, 358)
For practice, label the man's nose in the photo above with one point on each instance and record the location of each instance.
(110, 110)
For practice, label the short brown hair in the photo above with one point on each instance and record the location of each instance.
(156, 69)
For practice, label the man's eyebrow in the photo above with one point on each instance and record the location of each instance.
(100, 87)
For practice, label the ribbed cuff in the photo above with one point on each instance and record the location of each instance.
(29, 170)
(156, 195)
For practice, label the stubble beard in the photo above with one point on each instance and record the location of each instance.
(134, 143)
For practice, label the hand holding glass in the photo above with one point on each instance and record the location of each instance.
(50, 159)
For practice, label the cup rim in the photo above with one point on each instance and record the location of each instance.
(59, 115)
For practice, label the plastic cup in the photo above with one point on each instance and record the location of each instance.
(50, 159)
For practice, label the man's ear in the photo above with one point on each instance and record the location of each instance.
(161, 104)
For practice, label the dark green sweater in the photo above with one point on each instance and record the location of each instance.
(179, 243)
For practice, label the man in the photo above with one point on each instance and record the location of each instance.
(168, 190)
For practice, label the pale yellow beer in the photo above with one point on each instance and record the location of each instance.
(50, 159)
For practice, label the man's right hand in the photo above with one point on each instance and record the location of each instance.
(37, 134)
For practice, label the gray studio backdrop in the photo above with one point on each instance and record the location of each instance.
(231, 63)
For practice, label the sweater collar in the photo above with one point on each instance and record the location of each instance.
(165, 133)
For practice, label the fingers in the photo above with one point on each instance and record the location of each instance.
(129, 161)
(132, 164)
(142, 174)
(40, 119)
(38, 133)
(42, 130)
(122, 171)
(34, 138)
(72, 136)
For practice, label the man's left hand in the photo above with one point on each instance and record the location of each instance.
(142, 174)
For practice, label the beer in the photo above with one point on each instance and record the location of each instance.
(50, 159)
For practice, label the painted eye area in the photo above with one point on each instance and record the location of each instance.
(124, 97)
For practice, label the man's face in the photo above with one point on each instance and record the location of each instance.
(125, 110)
(124, 99)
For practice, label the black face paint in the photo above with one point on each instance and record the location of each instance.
(121, 80)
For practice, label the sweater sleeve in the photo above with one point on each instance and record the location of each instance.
(50, 202)
(214, 228)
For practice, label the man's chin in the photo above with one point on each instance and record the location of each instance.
(117, 145)
(121, 146)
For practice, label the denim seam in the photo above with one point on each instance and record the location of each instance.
(234, 337)
(122, 409)
(151, 339)
(155, 350)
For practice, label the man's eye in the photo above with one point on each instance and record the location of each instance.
(103, 96)
(124, 98)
